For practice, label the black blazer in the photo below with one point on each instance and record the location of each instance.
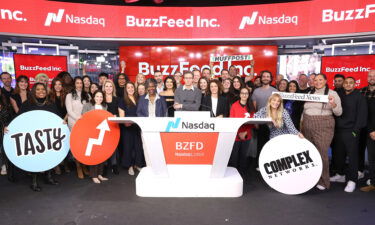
(222, 106)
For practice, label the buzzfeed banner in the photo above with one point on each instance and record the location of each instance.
(32, 65)
(350, 66)
(170, 59)
(303, 18)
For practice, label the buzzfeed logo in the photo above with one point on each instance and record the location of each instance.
(70, 18)
(268, 20)
(330, 15)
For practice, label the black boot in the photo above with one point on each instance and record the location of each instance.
(34, 183)
(49, 179)
(10, 172)
(115, 170)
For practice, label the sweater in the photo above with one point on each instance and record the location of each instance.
(354, 112)
(239, 111)
(287, 126)
(190, 99)
(323, 109)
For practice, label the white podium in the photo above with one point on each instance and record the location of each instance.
(187, 155)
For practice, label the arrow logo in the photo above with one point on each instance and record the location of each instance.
(103, 127)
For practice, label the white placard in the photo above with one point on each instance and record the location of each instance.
(303, 97)
(290, 164)
(227, 58)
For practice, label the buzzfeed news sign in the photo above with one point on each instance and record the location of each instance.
(32, 65)
(303, 18)
(356, 66)
(171, 59)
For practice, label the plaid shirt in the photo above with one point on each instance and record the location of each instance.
(367, 93)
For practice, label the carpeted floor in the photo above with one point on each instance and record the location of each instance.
(114, 202)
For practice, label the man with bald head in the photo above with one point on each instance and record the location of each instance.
(302, 82)
(369, 134)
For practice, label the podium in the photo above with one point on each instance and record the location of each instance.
(187, 155)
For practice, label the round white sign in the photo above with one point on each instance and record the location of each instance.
(290, 164)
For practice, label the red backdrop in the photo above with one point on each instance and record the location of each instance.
(31, 65)
(169, 59)
(355, 66)
(303, 18)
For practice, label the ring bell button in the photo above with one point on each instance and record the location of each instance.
(189, 146)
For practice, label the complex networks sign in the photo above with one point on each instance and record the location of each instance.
(290, 165)
(335, 17)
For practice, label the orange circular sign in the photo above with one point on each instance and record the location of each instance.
(93, 138)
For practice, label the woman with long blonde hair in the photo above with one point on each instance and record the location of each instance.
(281, 121)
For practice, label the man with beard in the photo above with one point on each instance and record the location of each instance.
(7, 89)
(369, 93)
(338, 82)
(348, 126)
(260, 98)
(159, 79)
(206, 73)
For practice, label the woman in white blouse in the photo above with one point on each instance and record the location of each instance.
(74, 102)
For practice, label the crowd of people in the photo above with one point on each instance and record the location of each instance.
(346, 124)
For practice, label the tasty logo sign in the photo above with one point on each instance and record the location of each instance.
(37, 141)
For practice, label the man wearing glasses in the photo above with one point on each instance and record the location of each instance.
(187, 97)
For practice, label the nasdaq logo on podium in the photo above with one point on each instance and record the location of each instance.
(172, 124)
(188, 125)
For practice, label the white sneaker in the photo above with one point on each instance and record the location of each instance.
(320, 187)
(368, 182)
(350, 187)
(3, 170)
(101, 178)
(361, 175)
(337, 178)
(131, 171)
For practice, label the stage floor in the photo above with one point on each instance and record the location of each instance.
(82, 202)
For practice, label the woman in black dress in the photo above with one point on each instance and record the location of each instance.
(39, 101)
(120, 82)
(132, 150)
(21, 93)
(294, 108)
(234, 94)
(112, 102)
(57, 96)
(214, 101)
(86, 83)
(170, 86)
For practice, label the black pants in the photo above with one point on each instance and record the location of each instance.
(362, 149)
(239, 157)
(346, 145)
(263, 138)
(371, 159)
(96, 170)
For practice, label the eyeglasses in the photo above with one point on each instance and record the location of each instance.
(243, 93)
